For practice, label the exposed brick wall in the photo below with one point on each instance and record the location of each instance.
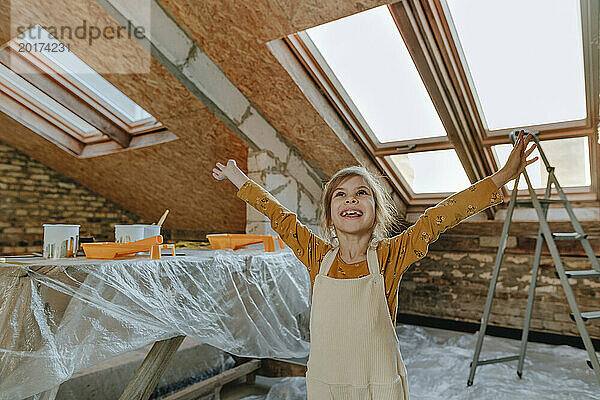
(454, 285)
(32, 194)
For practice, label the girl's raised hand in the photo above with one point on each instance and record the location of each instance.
(220, 171)
(517, 160)
(231, 172)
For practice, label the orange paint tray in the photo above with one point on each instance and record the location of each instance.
(109, 250)
(236, 240)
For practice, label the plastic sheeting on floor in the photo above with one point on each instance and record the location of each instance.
(63, 316)
(438, 367)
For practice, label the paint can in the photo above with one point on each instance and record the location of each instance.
(151, 230)
(131, 233)
(128, 233)
(60, 240)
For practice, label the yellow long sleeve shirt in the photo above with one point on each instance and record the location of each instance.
(395, 254)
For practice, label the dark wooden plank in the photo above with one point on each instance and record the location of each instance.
(274, 368)
(214, 383)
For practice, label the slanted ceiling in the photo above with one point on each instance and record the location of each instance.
(176, 175)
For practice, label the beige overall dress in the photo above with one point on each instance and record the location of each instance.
(354, 351)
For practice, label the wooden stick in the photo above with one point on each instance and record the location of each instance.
(148, 374)
(49, 394)
(162, 219)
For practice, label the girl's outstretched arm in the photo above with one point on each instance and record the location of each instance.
(307, 246)
(413, 244)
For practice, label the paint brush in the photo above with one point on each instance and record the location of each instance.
(162, 219)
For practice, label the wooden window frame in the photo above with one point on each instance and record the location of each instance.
(114, 131)
(431, 41)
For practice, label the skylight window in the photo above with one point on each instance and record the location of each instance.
(422, 174)
(570, 157)
(509, 64)
(525, 58)
(58, 96)
(369, 58)
(99, 88)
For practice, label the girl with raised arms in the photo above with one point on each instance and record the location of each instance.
(355, 270)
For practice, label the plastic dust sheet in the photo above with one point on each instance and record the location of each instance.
(63, 316)
(438, 361)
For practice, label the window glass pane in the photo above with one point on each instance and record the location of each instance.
(432, 171)
(570, 157)
(95, 84)
(367, 55)
(525, 58)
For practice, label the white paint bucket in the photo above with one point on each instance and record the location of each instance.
(60, 240)
(128, 233)
(131, 233)
(151, 230)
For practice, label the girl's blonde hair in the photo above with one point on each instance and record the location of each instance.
(385, 212)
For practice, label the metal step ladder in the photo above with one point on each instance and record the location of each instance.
(544, 233)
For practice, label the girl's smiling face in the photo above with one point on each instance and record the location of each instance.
(353, 206)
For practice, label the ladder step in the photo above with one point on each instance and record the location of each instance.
(588, 316)
(497, 360)
(529, 202)
(590, 273)
(569, 236)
